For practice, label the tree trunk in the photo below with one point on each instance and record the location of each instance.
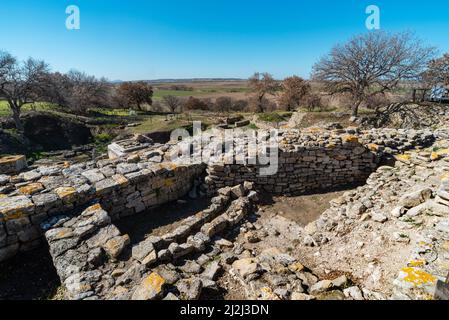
(16, 117)
(355, 109)
(260, 106)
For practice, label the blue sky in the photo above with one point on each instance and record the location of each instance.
(131, 40)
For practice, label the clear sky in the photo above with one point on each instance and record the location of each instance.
(148, 39)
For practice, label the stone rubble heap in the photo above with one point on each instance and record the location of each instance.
(274, 275)
(401, 209)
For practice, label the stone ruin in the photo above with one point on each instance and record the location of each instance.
(86, 250)
(73, 208)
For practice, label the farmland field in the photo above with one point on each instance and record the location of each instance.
(203, 89)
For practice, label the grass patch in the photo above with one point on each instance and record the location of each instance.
(103, 138)
(275, 116)
(155, 123)
(252, 126)
(5, 111)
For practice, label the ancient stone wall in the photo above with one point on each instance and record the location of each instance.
(95, 261)
(314, 160)
(123, 189)
(308, 161)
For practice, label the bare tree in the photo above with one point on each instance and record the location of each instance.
(438, 71)
(172, 102)
(193, 103)
(262, 85)
(239, 105)
(136, 93)
(294, 89)
(371, 64)
(223, 104)
(78, 91)
(21, 83)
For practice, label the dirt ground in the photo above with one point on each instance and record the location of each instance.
(303, 209)
(29, 276)
(160, 221)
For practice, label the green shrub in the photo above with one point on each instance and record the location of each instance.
(103, 138)
(272, 117)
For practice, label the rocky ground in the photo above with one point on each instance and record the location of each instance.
(385, 240)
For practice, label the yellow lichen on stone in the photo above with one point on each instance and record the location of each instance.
(313, 130)
(11, 159)
(93, 208)
(267, 294)
(168, 182)
(121, 180)
(3, 196)
(403, 158)
(66, 194)
(443, 152)
(170, 166)
(418, 277)
(296, 267)
(31, 188)
(154, 282)
(373, 147)
(15, 207)
(435, 156)
(417, 263)
(350, 139)
(64, 233)
(445, 177)
(13, 216)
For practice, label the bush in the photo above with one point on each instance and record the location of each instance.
(103, 138)
(312, 102)
(272, 117)
(195, 104)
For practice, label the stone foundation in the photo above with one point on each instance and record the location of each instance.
(95, 261)
(122, 189)
(308, 161)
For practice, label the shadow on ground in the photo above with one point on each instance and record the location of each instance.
(29, 276)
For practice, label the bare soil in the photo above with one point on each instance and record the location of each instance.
(161, 220)
(303, 209)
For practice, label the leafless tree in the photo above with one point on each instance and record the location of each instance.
(438, 71)
(172, 102)
(240, 105)
(371, 64)
(223, 104)
(21, 83)
(262, 85)
(193, 103)
(78, 91)
(294, 90)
